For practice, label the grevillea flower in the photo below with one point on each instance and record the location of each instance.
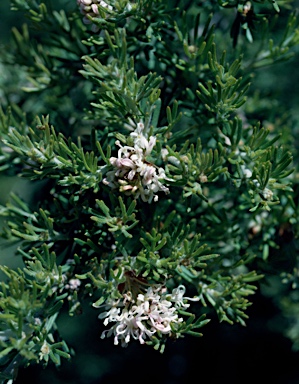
(91, 8)
(141, 317)
(132, 173)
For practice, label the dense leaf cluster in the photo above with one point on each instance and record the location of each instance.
(77, 98)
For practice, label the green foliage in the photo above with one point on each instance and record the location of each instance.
(158, 178)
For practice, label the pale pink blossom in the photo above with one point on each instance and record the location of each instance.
(141, 317)
(90, 8)
(132, 173)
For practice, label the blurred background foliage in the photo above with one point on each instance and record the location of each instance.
(260, 352)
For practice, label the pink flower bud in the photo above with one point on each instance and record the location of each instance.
(95, 9)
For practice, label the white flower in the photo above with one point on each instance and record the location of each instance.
(44, 351)
(112, 313)
(267, 194)
(132, 173)
(37, 321)
(74, 284)
(141, 317)
(164, 153)
(203, 178)
(178, 298)
(140, 139)
(91, 8)
(246, 171)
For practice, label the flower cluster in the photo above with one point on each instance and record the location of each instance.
(132, 173)
(150, 312)
(91, 8)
